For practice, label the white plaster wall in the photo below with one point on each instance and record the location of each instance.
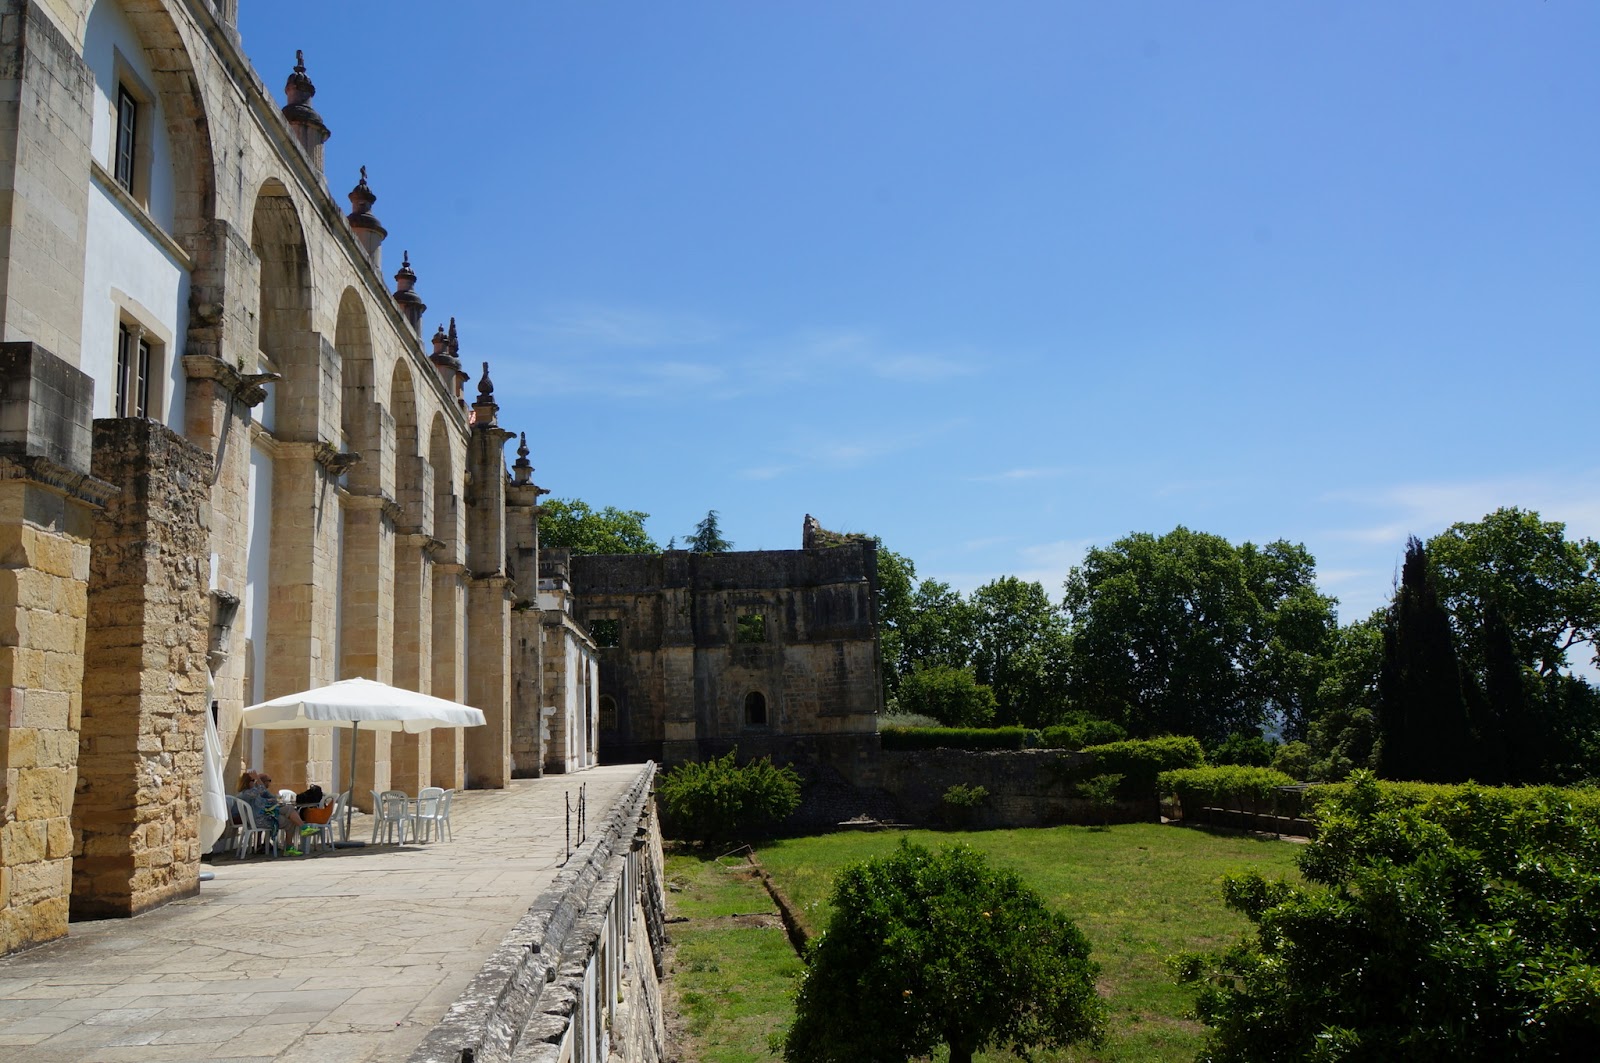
(125, 268)
(111, 36)
(123, 264)
(258, 572)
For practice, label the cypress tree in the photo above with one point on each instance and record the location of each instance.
(1422, 709)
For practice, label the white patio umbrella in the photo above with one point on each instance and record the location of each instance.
(355, 703)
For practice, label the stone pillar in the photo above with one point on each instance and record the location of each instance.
(366, 637)
(527, 637)
(368, 230)
(411, 755)
(406, 298)
(142, 745)
(489, 596)
(217, 419)
(47, 506)
(46, 93)
(302, 601)
(449, 677)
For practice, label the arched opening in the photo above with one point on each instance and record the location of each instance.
(284, 337)
(409, 465)
(360, 409)
(755, 709)
(446, 524)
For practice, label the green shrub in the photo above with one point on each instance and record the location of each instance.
(924, 949)
(1101, 793)
(1140, 760)
(1079, 733)
(1248, 749)
(961, 804)
(1453, 925)
(719, 800)
(958, 738)
(1226, 786)
(1585, 803)
(953, 696)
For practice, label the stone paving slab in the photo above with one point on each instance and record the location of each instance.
(349, 956)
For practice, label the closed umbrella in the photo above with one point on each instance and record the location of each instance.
(357, 703)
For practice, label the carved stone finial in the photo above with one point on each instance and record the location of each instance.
(368, 229)
(522, 469)
(441, 344)
(410, 303)
(307, 125)
(485, 386)
(455, 343)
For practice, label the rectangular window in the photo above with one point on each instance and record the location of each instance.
(607, 633)
(127, 137)
(133, 373)
(752, 628)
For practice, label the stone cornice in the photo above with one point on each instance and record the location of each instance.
(450, 568)
(388, 506)
(422, 541)
(80, 486)
(248, 388)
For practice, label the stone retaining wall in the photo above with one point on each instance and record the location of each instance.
(1026, 787)
(578, 977)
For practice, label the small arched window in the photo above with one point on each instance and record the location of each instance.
(755, 709)
(608, 712)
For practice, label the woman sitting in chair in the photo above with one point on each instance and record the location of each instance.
(255, 789)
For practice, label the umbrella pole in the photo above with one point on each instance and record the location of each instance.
(350, 783)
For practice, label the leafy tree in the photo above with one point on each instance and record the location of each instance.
(1545, 588)
(896, 574)
(941, 628)
(1422, 708)
(719, 800)
(707, 537)
(925, 949)
(1343, 734)
(1019, 648)
(571, 523)
(1248, 748)
(1461, 929)
(950, 695)
(1185, 633)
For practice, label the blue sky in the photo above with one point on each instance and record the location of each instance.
(1001, 281)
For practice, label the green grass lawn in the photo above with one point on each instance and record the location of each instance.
(1140, 892)
(733, 968)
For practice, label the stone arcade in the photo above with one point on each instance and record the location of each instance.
(231, 467)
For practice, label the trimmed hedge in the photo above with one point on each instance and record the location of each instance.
(1141, 760)
(1437, 800)
(975, 738)
(1223, 785)
(1080, 734)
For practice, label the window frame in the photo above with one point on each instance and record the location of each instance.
(125, 142)
(138, 356)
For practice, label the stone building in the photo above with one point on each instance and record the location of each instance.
(231, 467)
(772, 651)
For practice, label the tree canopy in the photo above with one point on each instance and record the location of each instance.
(1019, 648)
(1185, 633)
(573, 524)
(707, 537)
(925, 949)
(1457, 929)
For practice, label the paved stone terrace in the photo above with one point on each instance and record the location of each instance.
(344, 957)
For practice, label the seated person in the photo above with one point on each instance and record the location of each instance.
(255, 790)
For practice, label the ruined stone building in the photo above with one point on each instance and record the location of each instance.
(772, 651)
(231, 467)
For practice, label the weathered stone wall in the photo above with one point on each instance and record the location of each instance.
(1027, 787)
(683, 673)
(583, 963)
(47, 505)
(137, 807)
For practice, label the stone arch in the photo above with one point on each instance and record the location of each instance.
(360, 407)
(283, 321)
(755, 709)
(411, 482)
(446, 494)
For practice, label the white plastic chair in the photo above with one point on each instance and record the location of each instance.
(249, 835)
(441, 816)
(391, 814)
(426, 813)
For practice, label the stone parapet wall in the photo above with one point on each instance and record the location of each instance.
(583, 964)
(142, 741)
(1026, 787)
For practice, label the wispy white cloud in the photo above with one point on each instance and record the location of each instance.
(1425, 509)
(1017, 475)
